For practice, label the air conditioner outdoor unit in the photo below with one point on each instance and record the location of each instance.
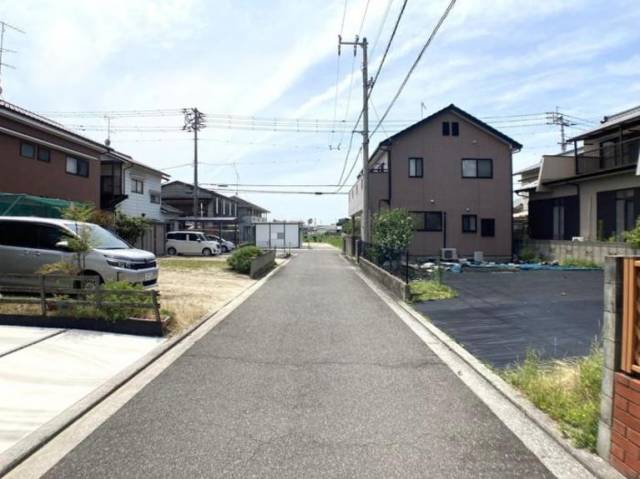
(449, 254)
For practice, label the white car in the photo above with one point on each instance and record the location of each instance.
(191, 243)
(225, 245)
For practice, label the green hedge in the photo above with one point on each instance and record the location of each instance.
(241, 258)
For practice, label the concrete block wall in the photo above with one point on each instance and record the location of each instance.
(595, 251)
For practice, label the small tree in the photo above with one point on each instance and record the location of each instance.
(130, 228)
(392, 229)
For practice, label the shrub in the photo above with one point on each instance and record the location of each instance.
(130, 228)
(240, 260)
(633, 236)
(529, 255)
(115, 311)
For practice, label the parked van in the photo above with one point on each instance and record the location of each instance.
(28, 243)
(191, 243)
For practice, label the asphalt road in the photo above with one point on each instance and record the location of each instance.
(499, 317)
(312, 376)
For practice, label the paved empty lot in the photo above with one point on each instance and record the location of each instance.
(313, 376)
(499, 316)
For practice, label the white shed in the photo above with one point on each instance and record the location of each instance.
(279, 234)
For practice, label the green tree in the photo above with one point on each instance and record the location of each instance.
(392, 229)
(130, 228)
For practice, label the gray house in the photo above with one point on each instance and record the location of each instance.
(229, 217)
(453, 173)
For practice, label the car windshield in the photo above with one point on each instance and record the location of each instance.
(100, 238)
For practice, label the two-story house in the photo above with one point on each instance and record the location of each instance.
(248, 214)
(453, 173)
(591, 191)
(42, 158)
(131, 187)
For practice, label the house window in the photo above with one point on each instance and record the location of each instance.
(488, 227)
(477, 168)
(44, 154)
(469, 224)
(625, 211)
(446, 130)
(137, 186)
(433, 221)
(154, 197)
(455, 129)
(415, 168)
(28, 150)
(77, 166)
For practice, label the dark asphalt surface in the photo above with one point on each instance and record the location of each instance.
(498, 317)
(312, 377)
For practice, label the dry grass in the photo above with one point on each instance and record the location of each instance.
(27, 309)
(191, 287)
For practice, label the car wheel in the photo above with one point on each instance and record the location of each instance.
(172, 251)
(206, 252)
(225, 249)
(88, 285)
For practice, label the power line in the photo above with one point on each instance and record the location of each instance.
(335, 99)
(389, 42)
(277, 192)
(415, 63)
(273, 185)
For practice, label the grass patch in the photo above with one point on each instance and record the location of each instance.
(430, 291)
(568, 391)
(191, 264)
(579, 263)
(329, 238)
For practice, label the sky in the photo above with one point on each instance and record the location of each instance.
(279, 59)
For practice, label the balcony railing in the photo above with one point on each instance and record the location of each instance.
(608, 157)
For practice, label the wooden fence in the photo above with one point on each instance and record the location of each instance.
(51, 292)
(630, 357)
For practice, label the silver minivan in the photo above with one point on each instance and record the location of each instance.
(29, 243)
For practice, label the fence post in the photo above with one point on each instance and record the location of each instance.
(98, 297)
(156, 306)
(43, 298)
(407, 266)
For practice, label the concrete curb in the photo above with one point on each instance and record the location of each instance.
(594, 464)
(15, 455)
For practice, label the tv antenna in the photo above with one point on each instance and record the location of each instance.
(4, 26)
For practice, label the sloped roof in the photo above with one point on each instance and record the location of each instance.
(48, 123)
(124, 157)
(467, 116)
(611, 121)
(248, 204)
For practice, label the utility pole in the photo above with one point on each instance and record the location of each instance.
(194, 120)
(364, 224)
(557, 118)
(4, 26)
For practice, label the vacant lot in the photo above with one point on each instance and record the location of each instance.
(498, 317)
(191, 287)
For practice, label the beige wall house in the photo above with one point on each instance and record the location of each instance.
(591, 191)
(453, 172)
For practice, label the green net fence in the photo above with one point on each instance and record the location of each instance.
(27, 205)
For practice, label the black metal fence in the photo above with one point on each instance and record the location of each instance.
(400, 263)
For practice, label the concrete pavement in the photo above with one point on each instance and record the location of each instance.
(313, 376)
(44, 371)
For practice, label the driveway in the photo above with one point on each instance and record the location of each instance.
(499, 316)
(44, 371)
(313, 376)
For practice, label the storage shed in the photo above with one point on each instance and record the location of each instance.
(279, 234)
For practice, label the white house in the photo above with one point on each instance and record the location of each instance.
(131, 187)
